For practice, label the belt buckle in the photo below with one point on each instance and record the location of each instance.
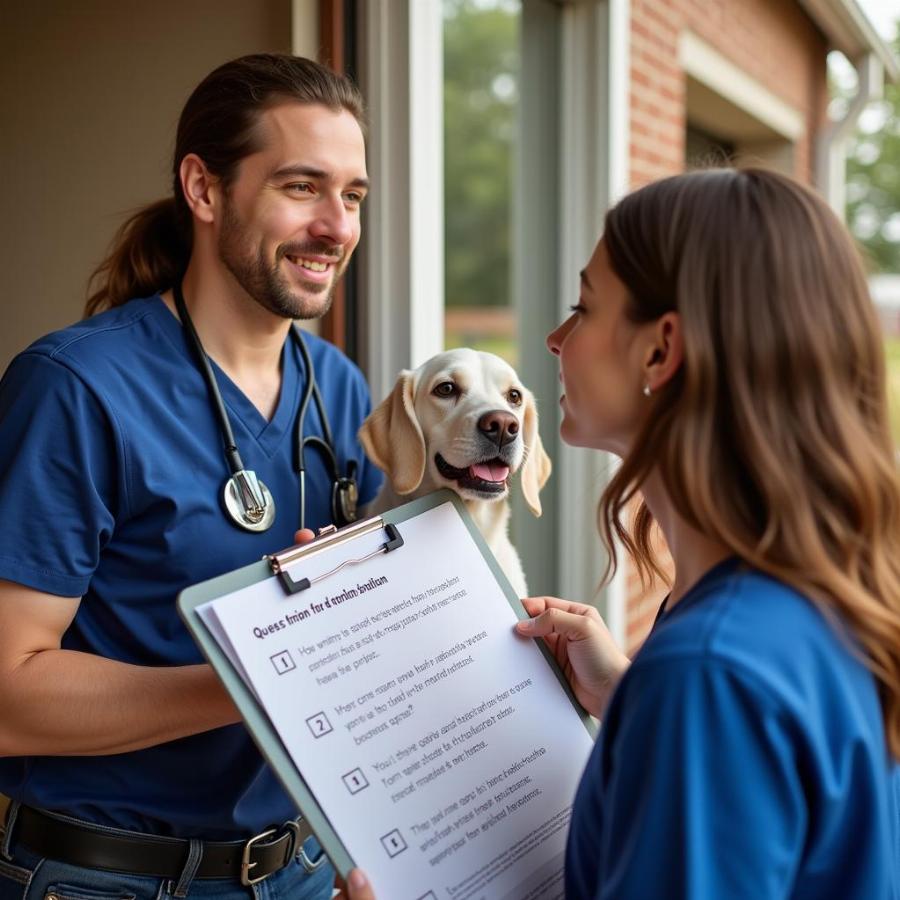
(246, 865)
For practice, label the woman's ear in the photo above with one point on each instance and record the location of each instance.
(393, 439)
(666, 353)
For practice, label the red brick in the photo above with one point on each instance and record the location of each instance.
(772, 40)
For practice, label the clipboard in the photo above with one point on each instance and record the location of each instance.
(281, 566)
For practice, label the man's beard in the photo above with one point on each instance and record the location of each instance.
(265, 283)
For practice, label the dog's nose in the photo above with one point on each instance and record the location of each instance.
(499, 427)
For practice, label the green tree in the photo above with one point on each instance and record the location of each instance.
(481, 60)
(873, 179)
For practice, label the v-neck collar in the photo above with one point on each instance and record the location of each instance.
(243, 413)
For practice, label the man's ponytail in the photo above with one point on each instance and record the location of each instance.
(149, 253)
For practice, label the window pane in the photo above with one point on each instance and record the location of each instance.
(481, 77)
(885, 290)
(892, 348)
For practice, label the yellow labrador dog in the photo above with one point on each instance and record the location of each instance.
(461, 420)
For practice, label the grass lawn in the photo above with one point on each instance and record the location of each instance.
(504, 347)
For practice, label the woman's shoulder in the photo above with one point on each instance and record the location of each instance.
(745, 622)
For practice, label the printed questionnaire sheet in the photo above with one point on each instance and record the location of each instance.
(440, 745)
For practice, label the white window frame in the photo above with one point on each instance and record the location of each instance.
(403, 249)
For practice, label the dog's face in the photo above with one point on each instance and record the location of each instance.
(462, 420)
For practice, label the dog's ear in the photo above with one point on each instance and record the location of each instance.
(393, 439)
(537, 467)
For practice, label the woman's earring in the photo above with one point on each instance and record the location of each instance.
(647, 391)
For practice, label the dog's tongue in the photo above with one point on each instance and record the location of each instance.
(490, 471)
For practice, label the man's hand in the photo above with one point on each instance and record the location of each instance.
(582, 645)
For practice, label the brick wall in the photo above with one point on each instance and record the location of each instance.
(772, 41)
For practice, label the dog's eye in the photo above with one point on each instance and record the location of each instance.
(445, 389)
(514, 397)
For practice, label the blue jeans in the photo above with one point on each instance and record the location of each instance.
(27, 876)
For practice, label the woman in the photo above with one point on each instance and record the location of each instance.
(725, 346)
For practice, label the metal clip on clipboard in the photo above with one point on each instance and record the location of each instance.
(328, 538)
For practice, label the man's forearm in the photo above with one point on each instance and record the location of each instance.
(64, 703)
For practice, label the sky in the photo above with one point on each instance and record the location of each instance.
(883, 14)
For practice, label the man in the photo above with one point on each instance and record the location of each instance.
(115, 488)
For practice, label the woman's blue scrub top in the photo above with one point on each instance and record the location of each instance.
(742, 756)
(111, 474)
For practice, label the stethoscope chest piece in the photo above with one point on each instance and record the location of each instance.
(344, 501)
(248, 501)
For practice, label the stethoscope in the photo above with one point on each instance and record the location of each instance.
(246, 499)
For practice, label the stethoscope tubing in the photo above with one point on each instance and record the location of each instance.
(310, 391)
(232, 454)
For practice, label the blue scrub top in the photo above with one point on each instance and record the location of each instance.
(743, 755)
(111, 474)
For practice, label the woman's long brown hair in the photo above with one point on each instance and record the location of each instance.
(773, 438)
(150, 252)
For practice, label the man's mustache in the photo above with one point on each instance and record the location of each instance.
(312, 249)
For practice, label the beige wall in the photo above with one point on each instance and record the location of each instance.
(90, 94)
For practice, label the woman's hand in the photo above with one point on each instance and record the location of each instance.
(578, 638)
(356, 887)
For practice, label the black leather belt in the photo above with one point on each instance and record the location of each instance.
(80, 844)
